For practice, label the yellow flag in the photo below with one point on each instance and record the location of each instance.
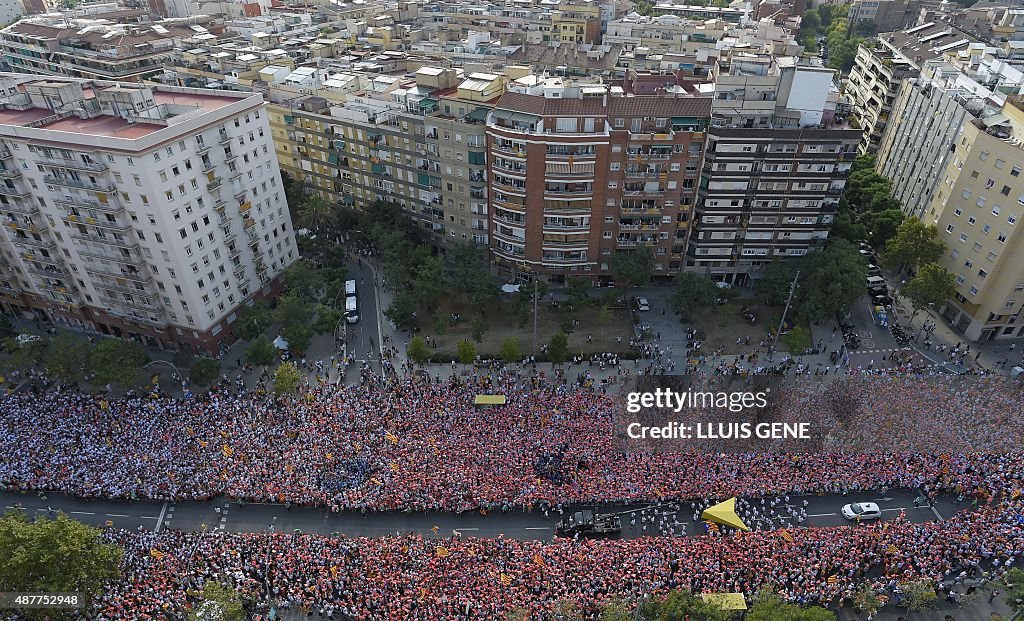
(203, 443)
(538, 560)
(833, 579)
(227, 451)
(334, 572)
(156, 553)
(785, 535)
(435, 529)
(892, 550)
(442, 552)
(506, 579)
(376, 481)
(394, 467)
(390, 437)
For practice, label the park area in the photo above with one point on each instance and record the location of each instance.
(719, 325)
(610, 328)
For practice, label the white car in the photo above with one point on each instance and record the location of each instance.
(861, 511)
(642, 304)
(721, 284)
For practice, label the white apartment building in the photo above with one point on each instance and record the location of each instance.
(144, 213)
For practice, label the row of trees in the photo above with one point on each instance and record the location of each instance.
(831, 22)
(71, 358)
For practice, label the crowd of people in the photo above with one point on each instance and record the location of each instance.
(421, 444)
(409, 577)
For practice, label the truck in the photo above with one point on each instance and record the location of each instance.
(586, 523)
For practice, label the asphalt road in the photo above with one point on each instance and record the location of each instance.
(363, 338)
(250, 517)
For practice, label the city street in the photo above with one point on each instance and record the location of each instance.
(252, 517)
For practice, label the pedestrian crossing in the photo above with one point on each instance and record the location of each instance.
(881, 351)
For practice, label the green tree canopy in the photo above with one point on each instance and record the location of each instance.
(402, 310)
(252, 321)
(510, 351)
(67, 357)
(931, 286)
(418, 351)
(317, 215)
(775, 282)
(914, 244)
(261, 352)
(692, 291)
(830, 280)
(220, 603)
(286, 379)
(114, 361)
(1015, 590)
(298, 335)
(205, 371)
(53, 556)
(558, 348)
(769, 607)
(467, 351)
(680, 605)
(633, 268)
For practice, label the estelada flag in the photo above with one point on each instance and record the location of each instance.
(442, 552)
(506, 579)
(334, 571)
(785, 535)
(227, 451)
(156, 553)
(538, 560)
(833, 579)
(892, 550)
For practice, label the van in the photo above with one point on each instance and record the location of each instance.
(876, 281)
(351, 309)
(350, 288)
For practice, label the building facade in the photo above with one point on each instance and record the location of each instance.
(977, 208)
(150, 214)
(874, 83)
(578, 174)
(775, 166)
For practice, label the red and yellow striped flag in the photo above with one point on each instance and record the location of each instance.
(442, 552)
(785, 535)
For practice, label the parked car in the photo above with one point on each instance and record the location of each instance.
(882, 290)
(642, 304)
(881, 300)
(723, 285)
(874, 270)
(861, 511)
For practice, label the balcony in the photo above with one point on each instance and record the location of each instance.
(239, 271)
(116, 272)
(234, 251)
(97, 167)
(240, 192)
(508, 151)
(6, 191)
(109, 207)
(121, 288)
(248, 223)
(10, 291)
(79, 183)
(202, 149)
(214, 184)
(152, 308)
(105, 239)
(20, 207)
(208, 166)
(5, 153)
(32, 242)
(9, 173)
(223, 138)
(52, 272)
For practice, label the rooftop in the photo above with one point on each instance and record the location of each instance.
(926, 41)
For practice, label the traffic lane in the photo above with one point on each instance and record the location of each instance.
(99, 512)
(887, 359)
(362, 337)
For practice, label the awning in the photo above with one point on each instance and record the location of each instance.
(490, 400)
(509, 115)
(725, 601)
(280, 343)
(480, 114)
(996, 119)
(724, 513)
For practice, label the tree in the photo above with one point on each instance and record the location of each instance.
(882, 226)
(479, 327)
(918, 596)
(866, 600)
(603, 318)
(830, 280)
(914, 244)
(558, 348)
(467, 351)
(692, 291)
(67, 357)
(6, 327)
(770, 607)
(304, 281)
(316, 214)
(680, 605)
(797, 340)
(1015, 590)
(117, 362)
(510, 349)
(930, 287)
(220, 603)
(402, 310)
(327, 319)
(775, 282)
(567, 610)
(205, 371)
(261, 352)
(429, 282)
(417, 350)
(252, 321)
(298, 335)
(54, 555)
(576, 289)
(615, 610)
(633, 268)
(468, 273)
(286, 379)
(22, 355)
(292, 309)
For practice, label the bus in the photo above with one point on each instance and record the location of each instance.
(351, 309)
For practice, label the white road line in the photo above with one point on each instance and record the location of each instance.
(117, 515)
(160, 520)
(148, 517)
(537, 528)
(896, 509)
(81, 513)
(465, 529)
(821, 514)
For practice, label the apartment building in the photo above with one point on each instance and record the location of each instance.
(928, 117)
(94, 48)
(578, 173)
(886, 14)
(145, 213)
(873, 85)
(576, 21)
(977, 208)
(421, 145)
(775, 165)
(665, 33)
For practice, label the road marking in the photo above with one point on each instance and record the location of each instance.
(465, 529)
(537, 528)
(116, 515)
(937, 514)
(886, 499)
(821, 514)
(81, 513)
(896, 509)
(160, 520)
(148, 517)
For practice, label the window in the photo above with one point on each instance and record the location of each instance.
(963, 237)
(957, 212)
(960, 279)
(949, 228)
(1015, 171)
(984, 156)
(1005, 191)
(1011, 219)
(182, 233)
(971, 221)
(995, 210)
(974, 291)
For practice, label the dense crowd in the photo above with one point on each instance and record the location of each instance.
(412, 578)
(421, 444)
